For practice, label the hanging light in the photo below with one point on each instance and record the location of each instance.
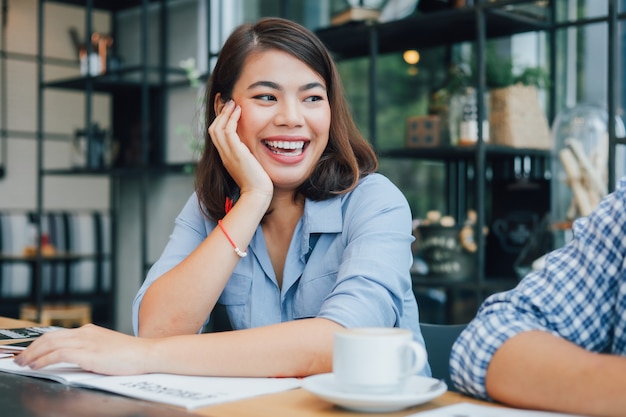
(411, 56)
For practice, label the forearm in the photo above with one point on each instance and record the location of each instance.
(541, 371)
(180, 301)
(291, 349)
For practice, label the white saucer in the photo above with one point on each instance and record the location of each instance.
(418, 390)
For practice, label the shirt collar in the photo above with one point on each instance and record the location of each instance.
(321, 217)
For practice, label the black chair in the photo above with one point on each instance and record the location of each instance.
(439, 339)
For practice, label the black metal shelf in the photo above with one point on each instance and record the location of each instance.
(58, 258)
(18, 56)
(489, 284)
(108, 5)
(425, 31)
(472, 172)
(453, 153)
(137, 97)
(120, 80)
(182, 168)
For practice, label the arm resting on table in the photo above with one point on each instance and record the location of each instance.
(538, 370)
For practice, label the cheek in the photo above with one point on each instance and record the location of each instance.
(321, 121)
(246, 125)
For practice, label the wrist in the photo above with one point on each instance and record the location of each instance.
(256, 201)
(151, 356)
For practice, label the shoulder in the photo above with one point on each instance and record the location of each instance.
(193, 212)
(609, 217)
(192, 206)
(619, 196)
(375, 195)
(376, 186)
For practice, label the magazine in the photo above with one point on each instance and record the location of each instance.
(25, 333)
(9, 351)
(181, 390)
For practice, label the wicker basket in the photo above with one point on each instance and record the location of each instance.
(516, 118)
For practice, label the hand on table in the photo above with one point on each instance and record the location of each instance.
(91, 347)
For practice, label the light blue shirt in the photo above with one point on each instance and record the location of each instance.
(358, 247)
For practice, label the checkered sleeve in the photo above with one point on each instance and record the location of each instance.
(573, 296)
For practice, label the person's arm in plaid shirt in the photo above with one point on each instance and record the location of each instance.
(538, 345)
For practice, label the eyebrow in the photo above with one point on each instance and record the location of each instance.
(276, 86)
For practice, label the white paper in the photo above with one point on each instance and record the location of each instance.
(65, 373)
(8, 351)
(476, 410)
(181, 390)
(191, 391)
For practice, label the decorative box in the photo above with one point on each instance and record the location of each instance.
(423, 131)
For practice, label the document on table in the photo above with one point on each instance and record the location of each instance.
(9, 351)
(25, 333)
(181, 390)
(476, 410)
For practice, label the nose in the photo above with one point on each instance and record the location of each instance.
(289, 114)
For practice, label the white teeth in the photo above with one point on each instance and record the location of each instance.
(295, 152)
(281, 144)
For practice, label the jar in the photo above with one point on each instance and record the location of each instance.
(587, 124)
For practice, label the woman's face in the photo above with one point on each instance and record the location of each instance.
(285, 115)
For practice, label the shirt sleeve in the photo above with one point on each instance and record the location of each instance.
(373, 277)
(573, 296)
(190, 229)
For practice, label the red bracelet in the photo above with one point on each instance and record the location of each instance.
(238, 251)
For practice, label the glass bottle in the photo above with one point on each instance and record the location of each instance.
(468, 123)
(468, 126)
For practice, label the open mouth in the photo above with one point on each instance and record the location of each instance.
(283, 147)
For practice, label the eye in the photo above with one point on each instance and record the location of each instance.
(314, 98)
(265, 97)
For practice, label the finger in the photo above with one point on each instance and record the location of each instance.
(225, 126)
(233, 119)
(232, 140)
(45, 344)
(65, 354)
(219, 124)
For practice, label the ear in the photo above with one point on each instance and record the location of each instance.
(218, 103)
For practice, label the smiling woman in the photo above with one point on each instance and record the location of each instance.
(290, 230)
(287, 117)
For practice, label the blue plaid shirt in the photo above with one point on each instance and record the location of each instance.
(579, 295)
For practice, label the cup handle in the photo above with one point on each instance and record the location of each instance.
(419, 356)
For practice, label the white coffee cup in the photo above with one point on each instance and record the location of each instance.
(376, 360)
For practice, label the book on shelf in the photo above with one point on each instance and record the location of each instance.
(185, 391)
(354, 14)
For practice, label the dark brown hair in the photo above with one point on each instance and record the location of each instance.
(347, 157)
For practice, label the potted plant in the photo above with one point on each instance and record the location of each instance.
(511, 102)
(515, 114)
